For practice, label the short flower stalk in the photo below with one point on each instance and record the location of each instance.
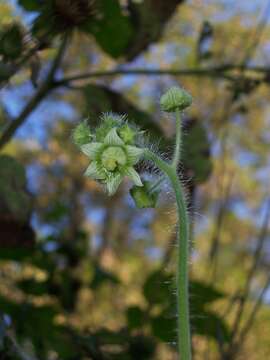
(113, 150)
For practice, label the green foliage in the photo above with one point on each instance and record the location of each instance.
(164, 327)
(102, 276)
(11, 41)
(114, 35)
(136, 317)
(33, 287)
(94, 257)
(196, 156)
(15, 201)
(111, 28)
(30, 5)
(159, 290)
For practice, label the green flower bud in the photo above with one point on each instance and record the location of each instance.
(108, 122)
(143, 197)
(127, 134)
(175, 99)
(112, 157)
(82, 134)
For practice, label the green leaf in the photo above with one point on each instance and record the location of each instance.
(149, 17)
(112, 30)
(135, 317)
(202, 294)
(34, 322)
(141, 347)
(205, 322)
(209, 324)
(157, 288)
(15, 201)
(33, 287)
(15, 254)
(56, 212)
(102, 276)
(11, 41)
(110, 337)
(30, 5)
(196, 151)
(164, 328)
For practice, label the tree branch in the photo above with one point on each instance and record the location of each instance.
(212, 72)
(41, 93)
(225, 72)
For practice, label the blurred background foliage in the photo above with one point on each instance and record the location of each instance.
(84, 276)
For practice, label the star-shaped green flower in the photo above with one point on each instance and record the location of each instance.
(112, 160)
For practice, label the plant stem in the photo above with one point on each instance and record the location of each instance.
(184, 340)
(177, 150)
(156, 184)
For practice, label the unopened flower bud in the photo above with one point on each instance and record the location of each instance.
(127, 134)
(143, 197)
(175, 99)
(82, 134)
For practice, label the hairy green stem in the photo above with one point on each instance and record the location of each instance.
(184, 339)
(178, 131)
(177, 152)
(156, 184)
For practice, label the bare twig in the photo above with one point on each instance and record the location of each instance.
(212, 72)
(15, 350)
(256, 259)
(246, 328)
(257, 35)
(234, 349)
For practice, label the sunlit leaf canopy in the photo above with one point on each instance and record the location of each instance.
(86, 276)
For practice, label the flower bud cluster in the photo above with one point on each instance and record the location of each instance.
(112, 150)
